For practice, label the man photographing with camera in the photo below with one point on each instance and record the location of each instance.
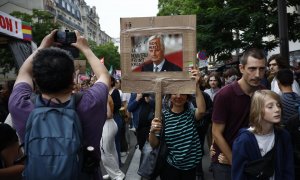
(65, 39)
(52, 71)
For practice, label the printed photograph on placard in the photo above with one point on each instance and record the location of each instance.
(157, 53)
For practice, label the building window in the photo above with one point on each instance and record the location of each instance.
(68, 7)
(63, 3)
(73, 11)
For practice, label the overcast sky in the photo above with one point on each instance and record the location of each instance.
(110, 12)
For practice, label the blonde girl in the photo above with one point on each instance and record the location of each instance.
(261, 137)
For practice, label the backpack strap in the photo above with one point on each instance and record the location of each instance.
(77, 96)
(33, 97)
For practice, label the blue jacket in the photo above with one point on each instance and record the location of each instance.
(245, 149)
(135, 108)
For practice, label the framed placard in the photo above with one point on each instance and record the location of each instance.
(81, 65)
(158, 50)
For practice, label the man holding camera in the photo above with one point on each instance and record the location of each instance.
(52, 71)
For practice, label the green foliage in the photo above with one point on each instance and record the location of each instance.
(226, 25)
(42, 23)
(108, 50)
(177, 7)
(23, 16)
(110, 53)
(6, 61)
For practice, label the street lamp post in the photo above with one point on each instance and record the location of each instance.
(283, 29)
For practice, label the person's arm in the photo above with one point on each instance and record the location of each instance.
(201, 106)
(12, 172)
(126, 113)
(110, 107)
(25, 72)
(98, 68)
(76, 81)
(217, 131)
(134, 102)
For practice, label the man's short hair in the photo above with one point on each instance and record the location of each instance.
(161, 40)
(285, 77)
(53, 70)
(281, 62)
(253, 52)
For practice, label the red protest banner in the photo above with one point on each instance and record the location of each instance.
(10, 25)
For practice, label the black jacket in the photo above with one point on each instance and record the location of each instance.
(168, 66)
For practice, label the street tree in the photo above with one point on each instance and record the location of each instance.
(7, 62)
(227, 25)
(108, 51)
(42, 23)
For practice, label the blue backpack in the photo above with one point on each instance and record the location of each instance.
(53, 142)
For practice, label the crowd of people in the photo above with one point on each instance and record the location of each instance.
(249, 113)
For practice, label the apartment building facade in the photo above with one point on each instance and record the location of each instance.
(70, 14)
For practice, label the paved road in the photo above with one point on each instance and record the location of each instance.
(131, 161)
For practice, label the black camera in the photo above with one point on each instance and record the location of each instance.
(66, 38)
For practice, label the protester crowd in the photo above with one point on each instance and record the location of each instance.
(249, 114)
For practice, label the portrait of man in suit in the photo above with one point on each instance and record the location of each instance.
(156, 61)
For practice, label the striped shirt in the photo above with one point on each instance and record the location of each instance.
(289, 101)
(182, 139)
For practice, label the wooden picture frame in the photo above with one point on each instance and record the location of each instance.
(179, 33)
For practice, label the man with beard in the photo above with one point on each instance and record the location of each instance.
(231, 111)
(277, 62)
(214, 83)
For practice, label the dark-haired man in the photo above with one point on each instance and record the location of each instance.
(289, 99)
(277, 62)
(52, 70)
(231, 110)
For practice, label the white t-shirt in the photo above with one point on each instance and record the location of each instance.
(265, 144)
(275, 87)
(8, 120)
(126, 97)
